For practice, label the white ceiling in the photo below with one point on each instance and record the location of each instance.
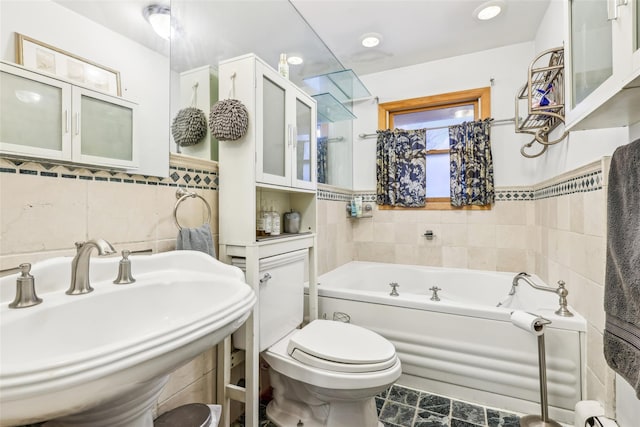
(416, 31)
(325, 32)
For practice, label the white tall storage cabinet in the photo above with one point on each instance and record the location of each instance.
(272, 166)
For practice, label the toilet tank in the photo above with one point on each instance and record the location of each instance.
(280, 296)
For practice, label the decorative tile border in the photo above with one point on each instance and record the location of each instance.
(204, 175)
(590, 181)
(514, 194)
(336, 196)
(179, 175)
(585, 182)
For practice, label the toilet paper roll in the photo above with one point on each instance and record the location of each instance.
(529, 322)
(585, 409)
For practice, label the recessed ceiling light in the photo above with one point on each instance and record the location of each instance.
(295, 60)
(489, 10)
(371, 40)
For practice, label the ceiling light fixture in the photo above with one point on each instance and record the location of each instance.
(159, 17)
(371, 40)
(295, 60)
(489, 10)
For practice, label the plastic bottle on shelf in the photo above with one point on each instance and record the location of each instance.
(358, 201)
(283, 66)
(275, 221)
(266, 216)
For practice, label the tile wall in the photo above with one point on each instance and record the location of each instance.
(571, 245)
(335, 229)
(45, 208)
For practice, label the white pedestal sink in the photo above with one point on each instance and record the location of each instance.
(101, 359)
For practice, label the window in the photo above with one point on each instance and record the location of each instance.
(440, 112)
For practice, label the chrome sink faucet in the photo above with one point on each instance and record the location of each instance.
(80, 264)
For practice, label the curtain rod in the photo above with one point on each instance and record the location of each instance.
(493, 122)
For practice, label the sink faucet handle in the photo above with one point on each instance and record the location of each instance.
(124, 270)
(25, 289)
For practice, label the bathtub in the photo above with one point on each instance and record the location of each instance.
(464, 346)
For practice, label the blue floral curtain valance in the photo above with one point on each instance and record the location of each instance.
(401, 167)
(471, 164)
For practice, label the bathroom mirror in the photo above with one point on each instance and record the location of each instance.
(208, 32)
(112, 32)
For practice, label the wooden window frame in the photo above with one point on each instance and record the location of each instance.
(480, 97)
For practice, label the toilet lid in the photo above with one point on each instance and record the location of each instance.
(341, 347)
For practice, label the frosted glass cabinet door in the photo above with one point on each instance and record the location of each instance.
(591, 47)
(103, 130)
(275, 129)
(305, 169)
(34, 116)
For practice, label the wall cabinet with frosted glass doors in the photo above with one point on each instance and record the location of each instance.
(272, 167)
(50, 118)
(285, 123)
(603, 56)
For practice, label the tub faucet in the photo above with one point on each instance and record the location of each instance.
(561, 291)
(514, 283)
(80, 265)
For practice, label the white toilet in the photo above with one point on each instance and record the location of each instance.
(326, 374)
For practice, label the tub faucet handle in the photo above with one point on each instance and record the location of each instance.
(435, 290)
(394, 289)
(562, 294)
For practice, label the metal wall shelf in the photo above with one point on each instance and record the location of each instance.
(544, 96)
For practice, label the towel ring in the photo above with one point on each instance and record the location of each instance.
(182, 195)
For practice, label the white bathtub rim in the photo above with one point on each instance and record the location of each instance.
(446, 305)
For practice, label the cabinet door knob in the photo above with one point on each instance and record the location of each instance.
(265, 279)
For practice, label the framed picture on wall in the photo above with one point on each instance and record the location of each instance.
(49, 59)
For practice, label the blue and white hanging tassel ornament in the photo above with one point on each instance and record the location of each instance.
(190, 124)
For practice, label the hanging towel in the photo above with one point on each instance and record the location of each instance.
(622, 277)
(196, 239)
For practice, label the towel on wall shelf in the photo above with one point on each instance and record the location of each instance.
(622, 276)
(196, 239)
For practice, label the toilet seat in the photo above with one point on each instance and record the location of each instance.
(329, 376)
(341, 347)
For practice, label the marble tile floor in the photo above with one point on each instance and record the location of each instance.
(406, 407)
(401, 406)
